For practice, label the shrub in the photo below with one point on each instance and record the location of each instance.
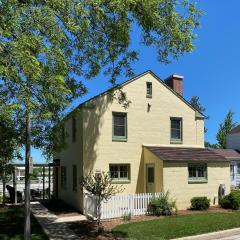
(200, 203)
(1, 199)
(231, 200)
(127, 216)
(162, 205)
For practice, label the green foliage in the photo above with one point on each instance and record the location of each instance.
(1, 199)
(195, 103)
(200, 203)
(211, 145)
(100, 185)
(162, 205)
(231, 201)
(127, 216)
(48, 47)
(224, 129)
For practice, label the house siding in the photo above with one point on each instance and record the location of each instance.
(144, 127)
(175, 180)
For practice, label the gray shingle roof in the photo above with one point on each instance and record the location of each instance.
(187, 154)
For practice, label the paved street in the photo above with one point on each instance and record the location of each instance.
(232, 234)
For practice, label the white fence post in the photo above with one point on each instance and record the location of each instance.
(117, 206)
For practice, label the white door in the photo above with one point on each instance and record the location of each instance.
(150, 178)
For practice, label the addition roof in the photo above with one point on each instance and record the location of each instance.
(184, 154)
(228, 153)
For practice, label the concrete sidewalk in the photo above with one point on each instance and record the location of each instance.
(54, 229)
(231, 234)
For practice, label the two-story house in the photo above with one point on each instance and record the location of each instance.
(154, 145)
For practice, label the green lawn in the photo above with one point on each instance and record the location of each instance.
(12, 225)
(178, 226)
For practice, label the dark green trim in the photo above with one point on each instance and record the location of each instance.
(176, 140)
(120, 138)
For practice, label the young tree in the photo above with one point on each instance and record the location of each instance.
(100, 185)
(46, 46)
(224, 129)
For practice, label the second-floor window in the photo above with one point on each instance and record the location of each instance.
(73, 129)
(149, 89)
(119, 126)
(176, 130)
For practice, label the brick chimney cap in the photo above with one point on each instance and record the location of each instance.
(175, 76)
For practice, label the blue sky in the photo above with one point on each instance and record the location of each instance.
(211, 72)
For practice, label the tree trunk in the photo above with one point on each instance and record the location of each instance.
(27, 226)
(4, 186)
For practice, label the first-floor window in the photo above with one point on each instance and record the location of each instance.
(74, 178)
(197, 172)
(63, 177)
(119, 171)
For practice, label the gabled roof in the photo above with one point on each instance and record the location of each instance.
(228, 153)
(235, 130)
(183, 154)
(198, 114)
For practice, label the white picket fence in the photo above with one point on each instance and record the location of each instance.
(119, 205)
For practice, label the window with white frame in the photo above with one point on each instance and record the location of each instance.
(197, 172)
(119, 172)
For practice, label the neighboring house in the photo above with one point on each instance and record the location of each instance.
(234, 158)
(154, 145)
(233, 138)
(233, 142)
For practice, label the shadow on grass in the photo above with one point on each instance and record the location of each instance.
(12, 225)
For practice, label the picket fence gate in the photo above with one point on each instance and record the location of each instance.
(119, 205)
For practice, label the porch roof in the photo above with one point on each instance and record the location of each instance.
(228, 153)
(187, 154)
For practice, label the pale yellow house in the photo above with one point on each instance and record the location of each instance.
(155, 144)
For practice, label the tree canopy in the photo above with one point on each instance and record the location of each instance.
(48, 47)
(224, 129)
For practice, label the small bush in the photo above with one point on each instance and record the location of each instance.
(1, 199)
(162, 206)
(200, 203)
(231, 201)
(127, 216)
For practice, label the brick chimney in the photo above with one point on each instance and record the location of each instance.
(175, 82)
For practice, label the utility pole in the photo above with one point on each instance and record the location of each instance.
(27, 226)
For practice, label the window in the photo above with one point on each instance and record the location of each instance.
(197, 172)
(74, 178)
(119, 126)
(176, 130)
(149, 89)
(73, 129)
(119, 171)
(63, 177)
